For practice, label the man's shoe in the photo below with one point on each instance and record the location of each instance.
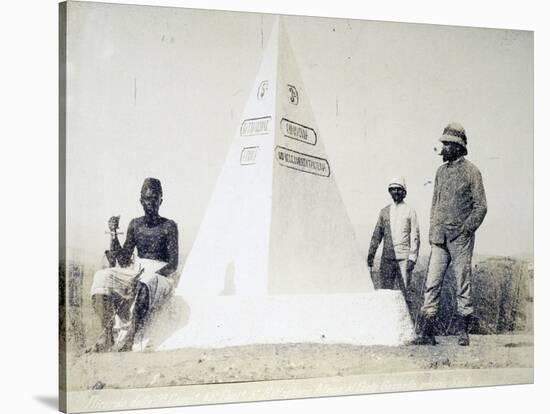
(105, 343)
(463, 339)
(424, 340)
(426, 333)
(463, 328)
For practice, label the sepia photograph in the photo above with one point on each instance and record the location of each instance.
(261, 206)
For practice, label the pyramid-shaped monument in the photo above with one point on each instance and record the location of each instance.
(276, 258)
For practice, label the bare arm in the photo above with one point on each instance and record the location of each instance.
(173, 251)
(123, 254)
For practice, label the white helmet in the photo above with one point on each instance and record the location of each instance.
(398, 182)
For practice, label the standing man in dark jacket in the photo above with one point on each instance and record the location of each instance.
(458, 209)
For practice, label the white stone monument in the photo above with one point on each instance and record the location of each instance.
(276, 259)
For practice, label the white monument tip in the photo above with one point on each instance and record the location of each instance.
(276, 259)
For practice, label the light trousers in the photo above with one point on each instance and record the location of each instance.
(458, 255)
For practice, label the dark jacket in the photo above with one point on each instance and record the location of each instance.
(458, 204)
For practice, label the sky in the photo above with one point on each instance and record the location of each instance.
(160, 92)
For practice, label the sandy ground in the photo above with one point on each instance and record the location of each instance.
(291, 361)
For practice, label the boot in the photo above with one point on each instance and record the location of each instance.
(463, 326)
(426, 332)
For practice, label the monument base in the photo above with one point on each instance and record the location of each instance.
(374, 318)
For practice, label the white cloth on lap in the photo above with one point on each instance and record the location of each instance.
(122, 281)
(159, 286)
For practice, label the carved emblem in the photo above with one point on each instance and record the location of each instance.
(262, 90)
(292, 94)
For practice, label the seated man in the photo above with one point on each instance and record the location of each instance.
(132, 290)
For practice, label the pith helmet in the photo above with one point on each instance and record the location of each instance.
(454, 132)
(398, 182)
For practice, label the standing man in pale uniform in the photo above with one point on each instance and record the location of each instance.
(398, 227)
(458, 209)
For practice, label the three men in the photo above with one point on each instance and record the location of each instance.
(133, 290)
(398, 227)
(458, 209)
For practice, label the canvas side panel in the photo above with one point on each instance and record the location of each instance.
(62, 206)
